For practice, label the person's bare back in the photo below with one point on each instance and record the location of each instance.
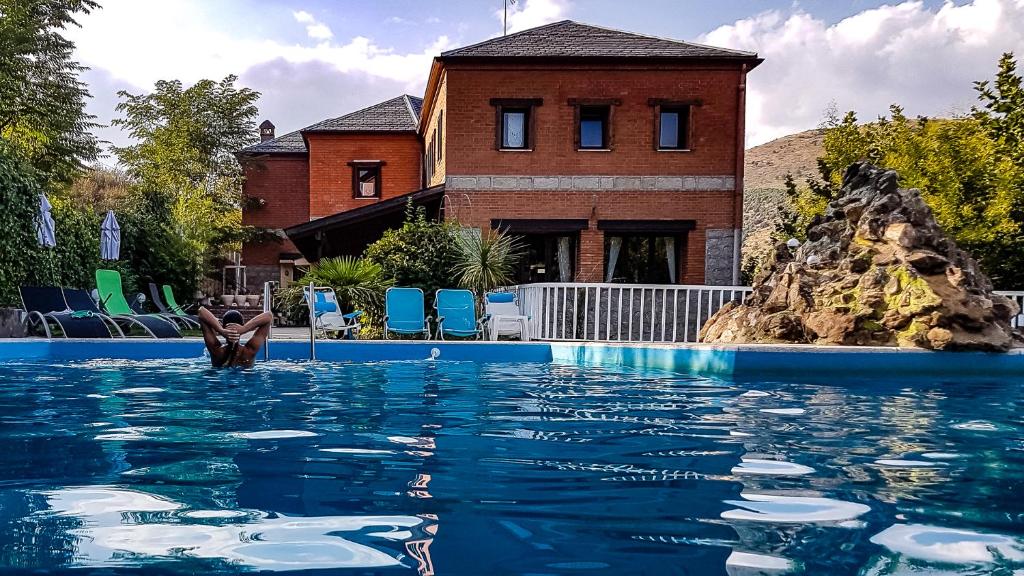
(231, 327)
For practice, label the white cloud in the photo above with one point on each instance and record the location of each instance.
(314, 29)
(191, 44)
(529, 13)
(303, 17)
(922, 58)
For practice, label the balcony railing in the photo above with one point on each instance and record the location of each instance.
(601, 312)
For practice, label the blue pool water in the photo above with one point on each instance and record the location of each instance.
(113, 466)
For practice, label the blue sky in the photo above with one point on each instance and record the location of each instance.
(313, 59)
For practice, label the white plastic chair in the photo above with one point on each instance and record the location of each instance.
(327, 313)
(503, 317)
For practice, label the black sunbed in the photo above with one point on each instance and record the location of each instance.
(186, 320)
(47, 303)
(155, 327)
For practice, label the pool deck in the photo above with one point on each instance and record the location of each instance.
(706, 359)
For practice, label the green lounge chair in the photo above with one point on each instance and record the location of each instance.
(403, 312)
(108, 284)
(172, 304)
(456, 314)
(184, 320)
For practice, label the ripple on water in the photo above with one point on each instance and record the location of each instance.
(784, 411)
(214, 514)
(977, 426)
(749, 563)
(941, 455)
(792, 509)
(364, 451)
(771, 468)
(273, 434)
(948, 545)
(897, 463)
(139, 390)
(284, 543)
(754, 394)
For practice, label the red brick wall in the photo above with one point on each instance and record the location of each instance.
(330, 176)
(471, 119)
(283, 182)
(709, 209)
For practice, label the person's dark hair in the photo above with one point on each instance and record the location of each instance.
(232, 317)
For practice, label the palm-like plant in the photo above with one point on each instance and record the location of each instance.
(486, 261)
(356, 282)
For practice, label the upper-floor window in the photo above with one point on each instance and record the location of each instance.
(440, 134)
(593, 123)
(594, 127)
(366, 179)
(672, 125)
(514, 123)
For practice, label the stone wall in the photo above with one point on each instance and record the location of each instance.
(719, 251)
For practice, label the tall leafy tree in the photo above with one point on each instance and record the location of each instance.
(188, 182)
(42, 99)
(969, 169)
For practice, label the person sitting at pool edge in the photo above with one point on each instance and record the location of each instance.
(232, 327)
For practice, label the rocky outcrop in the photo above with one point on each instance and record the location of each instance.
(876, 269)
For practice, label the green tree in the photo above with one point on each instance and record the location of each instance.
(42, 100)
(19, 205)
(420, 254)
(969, 169)
(187, 182)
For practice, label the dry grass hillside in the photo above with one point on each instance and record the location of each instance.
(796, 154)
(764, 190)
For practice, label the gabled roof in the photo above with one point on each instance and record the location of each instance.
(290, 143)
(400, 114)
(396, 115)
(569, 39)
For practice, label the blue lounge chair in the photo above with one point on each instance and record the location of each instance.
(403, 312)
(46, 304)
(456, 314)
(327, 313)
(153, 326)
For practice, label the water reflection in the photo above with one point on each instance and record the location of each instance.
(120, 526)
(530, 469)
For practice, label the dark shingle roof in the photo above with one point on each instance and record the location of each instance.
(290, 143)
(568, 39)
(399, 114)
(396, 115)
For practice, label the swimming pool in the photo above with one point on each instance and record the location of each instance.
(524, 467)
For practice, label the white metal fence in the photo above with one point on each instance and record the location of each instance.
(601, 312)
(1018, 297)
(622, 312)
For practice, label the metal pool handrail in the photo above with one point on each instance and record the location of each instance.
(267, 308)
(312, 321)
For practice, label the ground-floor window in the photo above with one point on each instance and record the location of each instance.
(641, 259)
(548, 258)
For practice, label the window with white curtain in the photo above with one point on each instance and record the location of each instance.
(513, 130)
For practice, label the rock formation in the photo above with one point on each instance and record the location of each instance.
(876, 269)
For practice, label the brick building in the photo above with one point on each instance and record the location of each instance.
(615, 156)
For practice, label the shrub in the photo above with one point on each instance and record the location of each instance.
(421, 254)
(358, 283)
(486, 261)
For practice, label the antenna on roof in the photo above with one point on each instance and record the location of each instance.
(506, 15)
